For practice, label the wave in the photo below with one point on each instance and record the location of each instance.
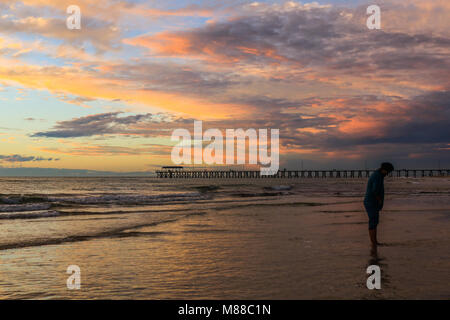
(25, 207)
(129, 198)
(208, 188)
(29, 215)
(22, 199)
(280, 188)
(40, 202)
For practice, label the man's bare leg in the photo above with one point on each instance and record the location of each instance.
(373, 237)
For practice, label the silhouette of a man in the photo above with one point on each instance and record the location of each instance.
(374, 199)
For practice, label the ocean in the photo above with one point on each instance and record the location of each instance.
(148, 238)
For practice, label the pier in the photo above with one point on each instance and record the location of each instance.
(180, 173)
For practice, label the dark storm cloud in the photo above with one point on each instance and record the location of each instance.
(419, 121)
(426, 120)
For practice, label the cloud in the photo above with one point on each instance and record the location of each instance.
(355, 127)
(98, 83)
(163, 124)
(112, 10)
(101, 35)
(103, 124)
(282, 51)
(186, 79)
(103, 21)
(35, 119)
(358, 120)
(77, 100)
(376, 121)
(192, 10)
(85, 150)
(334, 41)
(21, 158)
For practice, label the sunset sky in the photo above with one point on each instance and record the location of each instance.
(107, 97)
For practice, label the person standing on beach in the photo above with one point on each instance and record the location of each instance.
(374, 199)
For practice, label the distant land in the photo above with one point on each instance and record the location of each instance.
(51, 172)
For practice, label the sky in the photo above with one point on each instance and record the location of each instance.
(108, 97)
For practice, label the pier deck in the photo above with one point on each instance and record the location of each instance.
(295, 174)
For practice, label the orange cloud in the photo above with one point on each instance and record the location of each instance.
(165, 43)
(72, 81)
(185, 45)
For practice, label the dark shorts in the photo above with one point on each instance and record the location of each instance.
(374, 216)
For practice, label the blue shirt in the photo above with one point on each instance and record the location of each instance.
(375, 187)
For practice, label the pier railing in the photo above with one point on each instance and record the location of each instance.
(295, 174)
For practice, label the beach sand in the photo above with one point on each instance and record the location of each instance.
(308, 242)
